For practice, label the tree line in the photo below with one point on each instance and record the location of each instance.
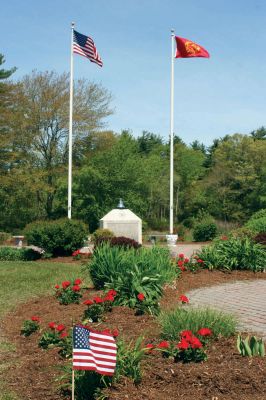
(226, 180)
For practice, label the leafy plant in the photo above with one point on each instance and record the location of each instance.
(30, 326)
(192, 264)
(98, 306)
(250, 346)
(233, 254)
(54, 337)
(131, 272)
(88, 384)
(59, 237)
(69, 293)
(129, 357)
(180, 319)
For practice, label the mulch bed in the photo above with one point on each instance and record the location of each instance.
(225, 375)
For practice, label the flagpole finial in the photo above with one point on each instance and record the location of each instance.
(72, 25)
(172, 32)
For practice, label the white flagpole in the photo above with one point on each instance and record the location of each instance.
(172, 137)
(70, 129)
(73, 385)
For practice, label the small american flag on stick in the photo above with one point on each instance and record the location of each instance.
(93, 350)
(85, 46)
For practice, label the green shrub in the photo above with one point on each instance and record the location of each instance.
(259, 214)
(18, 254)
(193, 319)
(60, 237)
(4, 236)
(204, 230)
(233, 254)
(242, 233)
(132, 272)
(257, 225)
(101, 233)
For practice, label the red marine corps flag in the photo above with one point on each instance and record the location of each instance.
(186, 48)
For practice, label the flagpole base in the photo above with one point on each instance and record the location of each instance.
(171, 240)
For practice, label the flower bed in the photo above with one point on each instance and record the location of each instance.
(161, 377)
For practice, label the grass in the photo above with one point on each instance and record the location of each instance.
(22, 281)
(173, 322)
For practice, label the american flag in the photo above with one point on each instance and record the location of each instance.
(93, 350)
(85, 46)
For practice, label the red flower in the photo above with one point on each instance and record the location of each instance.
(163, 345)
(109, 297)
(183, 344)
(65, 284)
(52, 325)
(115, 332)
(97, 300)
(57, 287)
(106, 332)
(76, 288)
(88, 302)
(141, 296)
(181, 255)
(195, 343)
(76, 253)
(200, 261)
(224, 238)
(186, 260)
(35, 318)
(149, 347)
(180, 263)
(204, 332)
(112, 292)
(60, 327)
(63, 335)
(184, 299)
(186, 335)
(77, 281)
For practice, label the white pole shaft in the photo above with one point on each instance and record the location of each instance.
(172, 137)
(69, 208)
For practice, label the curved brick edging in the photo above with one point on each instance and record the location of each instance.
(245, 299)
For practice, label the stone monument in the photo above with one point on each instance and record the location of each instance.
(123, 222)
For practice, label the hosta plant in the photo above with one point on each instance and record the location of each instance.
(30, 326)
(69, 292)
(250, 346)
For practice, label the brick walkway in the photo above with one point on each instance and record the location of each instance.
(245, 299)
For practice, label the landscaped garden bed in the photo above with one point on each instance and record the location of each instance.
(34, 372)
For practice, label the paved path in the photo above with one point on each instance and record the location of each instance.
(245, 299)
(187, 248)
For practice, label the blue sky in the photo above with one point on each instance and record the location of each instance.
(213, 97)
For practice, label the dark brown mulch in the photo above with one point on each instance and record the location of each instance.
(225, 375)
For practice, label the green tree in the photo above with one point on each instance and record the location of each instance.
(39, 121)
(234, 185)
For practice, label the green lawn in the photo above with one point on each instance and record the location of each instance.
(21, 281)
